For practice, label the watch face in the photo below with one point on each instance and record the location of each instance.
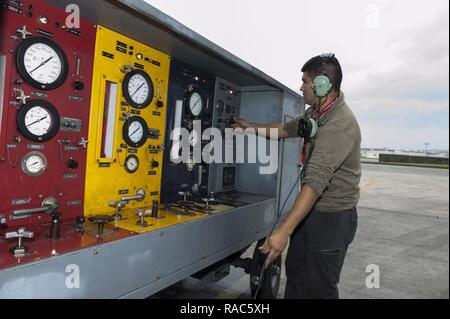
(41, 63)
(34, 164)
(38, 120)
(138, 89)
(135, 131)
(195, 104)
(131, 163)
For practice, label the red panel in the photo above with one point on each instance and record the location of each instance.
(67, 185)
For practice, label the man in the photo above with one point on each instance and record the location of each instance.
(323, 220)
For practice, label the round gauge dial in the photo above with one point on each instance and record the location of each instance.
(190, 164)
(138, 89)
(34, 164)
(193, 138)
(131, 163)
(135, 131)
(195, 104)
(220, 106)
(41, 63)
(38, 120)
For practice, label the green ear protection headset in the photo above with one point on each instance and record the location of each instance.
(322, 84)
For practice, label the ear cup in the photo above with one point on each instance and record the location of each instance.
(321, 85)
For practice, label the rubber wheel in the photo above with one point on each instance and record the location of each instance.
(271, 282)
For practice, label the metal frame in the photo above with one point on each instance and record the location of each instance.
(141, 265)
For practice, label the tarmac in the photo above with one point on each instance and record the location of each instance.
(400, 251)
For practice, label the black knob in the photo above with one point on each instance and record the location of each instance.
(72, 164)
(155, 164)
(78, 85)
(80, 220)
(155, 208)
(159, 103)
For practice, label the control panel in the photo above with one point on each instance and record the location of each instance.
(222, 176)
(191, 109)
(126, 128)
(45, 76)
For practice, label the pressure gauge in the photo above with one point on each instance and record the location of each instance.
(41, 63)
(193, 138)
(195, 102)
(220, 106)
(190, 164)
(131, 163)
(38, 120)
(34, 164)
(135, 131)
(137, 89)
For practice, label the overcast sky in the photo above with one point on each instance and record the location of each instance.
(394, 55)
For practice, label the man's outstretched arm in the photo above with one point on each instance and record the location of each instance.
(243, 124)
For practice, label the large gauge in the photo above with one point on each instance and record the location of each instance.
(34, 164)
(41, 63)
(38, 120)
(135, 131)
(137, 89)
(195, 102)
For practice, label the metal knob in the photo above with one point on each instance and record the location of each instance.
(20, 248)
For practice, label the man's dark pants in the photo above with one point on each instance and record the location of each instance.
(316, 254)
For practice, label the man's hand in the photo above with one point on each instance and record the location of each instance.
(241, 123)
(274, 245)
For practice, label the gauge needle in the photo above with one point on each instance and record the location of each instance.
(137, 89)
(134, 132)
(34, 163)
(43, 63)
(37, 121)
(196, 103)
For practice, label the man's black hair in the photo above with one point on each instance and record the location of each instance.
(325, 64)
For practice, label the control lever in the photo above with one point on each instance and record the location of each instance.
(140, 195)
(141, 222)
(20, 249)
(118, 206)
(101, 221)
(207, 200)
(185, 195)
(48, 206)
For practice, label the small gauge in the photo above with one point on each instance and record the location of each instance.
(42, 63)
(131, 163)
(137, 89)
(190, 164)
(38, 120)
(135, 131)
(195, 102)
(220, 106)
(193, 138)
(34, 164)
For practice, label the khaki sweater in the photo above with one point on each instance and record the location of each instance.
(334, 168)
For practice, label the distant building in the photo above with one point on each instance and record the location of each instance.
(374, 153)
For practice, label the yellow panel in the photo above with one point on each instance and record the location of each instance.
(106, 177)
